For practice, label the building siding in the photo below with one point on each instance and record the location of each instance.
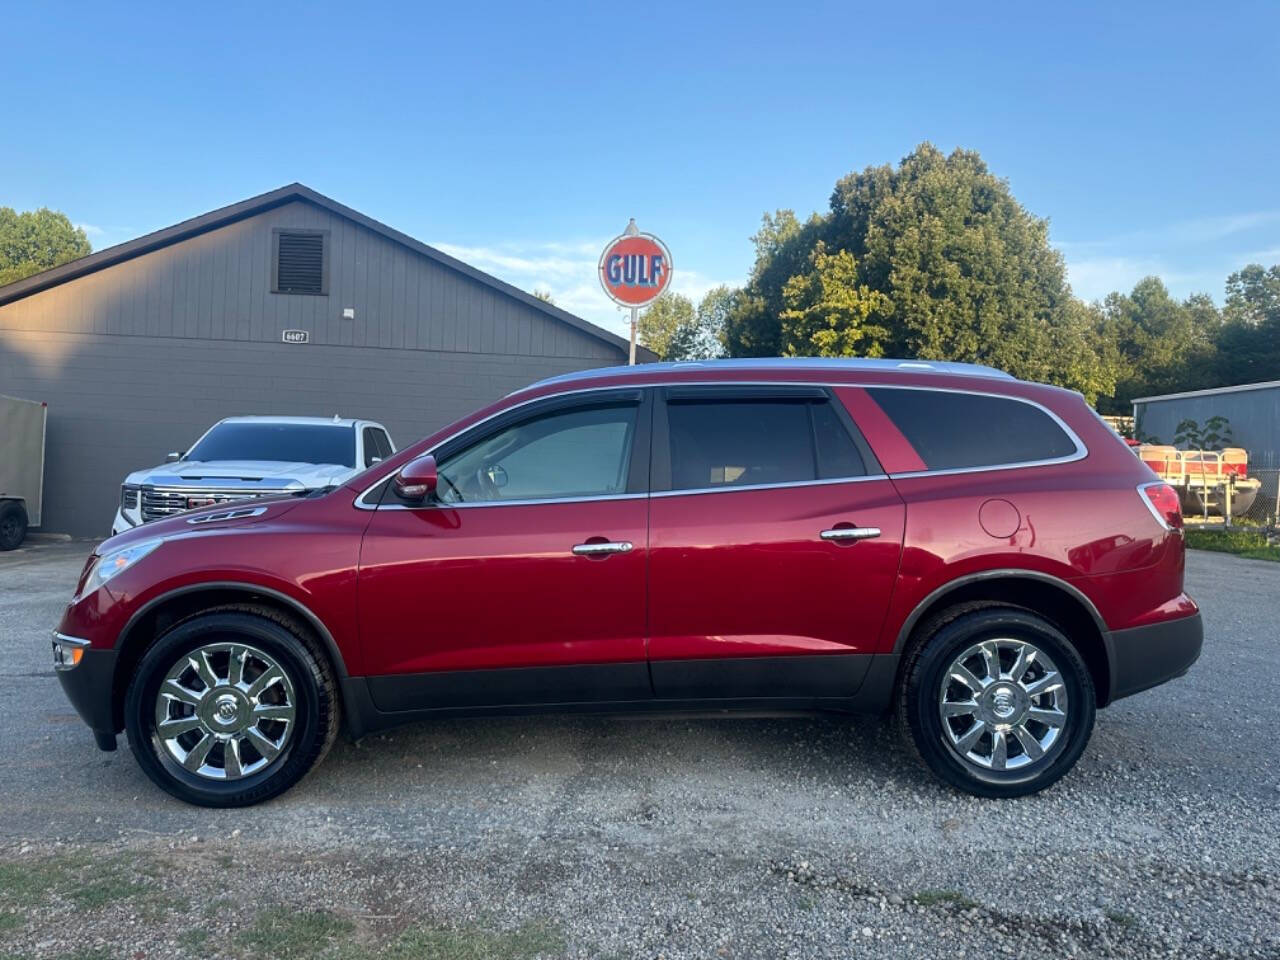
(138, 358)
(1254, 416)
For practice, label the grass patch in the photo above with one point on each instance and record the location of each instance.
(193, 939)
(283, 933)
(82, 881)
(1121, 918)
(952, 898)
(1242, 543)
(89, 884)
(526, 942)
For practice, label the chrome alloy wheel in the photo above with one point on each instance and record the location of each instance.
(225, 711)
(1003, 704)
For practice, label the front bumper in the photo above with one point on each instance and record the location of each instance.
(1144, 657)
(88, 685)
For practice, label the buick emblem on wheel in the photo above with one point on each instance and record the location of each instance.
(850, 536)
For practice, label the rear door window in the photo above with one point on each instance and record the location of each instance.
(727, 443)
(952, 430)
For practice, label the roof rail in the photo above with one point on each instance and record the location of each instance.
(879, 364)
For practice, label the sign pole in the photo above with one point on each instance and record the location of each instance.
(635, 268)
(634, 312)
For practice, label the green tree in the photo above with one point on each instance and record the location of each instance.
(783, 247)
(674, 330)
(1249, 338)
(666, 325)
(35, 241)
(1253, 296)
(939, 262)
(1080, 345)
(828, 311)
(714, 309)
(1164, 345)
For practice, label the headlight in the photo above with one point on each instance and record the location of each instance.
(109, 564)
(129, 496)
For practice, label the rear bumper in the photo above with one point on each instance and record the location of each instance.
(1146, 656)
(88, 687)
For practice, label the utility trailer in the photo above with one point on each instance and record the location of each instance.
(22, 426)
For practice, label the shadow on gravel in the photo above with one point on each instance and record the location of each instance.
(815, 750)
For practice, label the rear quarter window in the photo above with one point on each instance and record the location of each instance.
(953, 431)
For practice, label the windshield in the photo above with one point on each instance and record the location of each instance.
(284, 442)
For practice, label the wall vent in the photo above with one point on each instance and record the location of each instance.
(300, 262)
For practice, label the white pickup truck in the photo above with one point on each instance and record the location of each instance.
(242, 458)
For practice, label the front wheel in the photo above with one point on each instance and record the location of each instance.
(230, 708)
(997, 701)
(13, 524)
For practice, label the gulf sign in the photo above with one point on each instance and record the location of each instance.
(635, 268)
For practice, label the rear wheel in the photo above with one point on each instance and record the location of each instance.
(230, 708)
(13, 524)
(997, 701)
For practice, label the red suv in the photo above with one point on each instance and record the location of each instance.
(982, 556)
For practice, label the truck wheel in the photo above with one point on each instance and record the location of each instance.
(997, 701)
(13, 524)
(230, 708)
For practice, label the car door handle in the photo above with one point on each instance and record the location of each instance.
(602, 548)
(850, 533)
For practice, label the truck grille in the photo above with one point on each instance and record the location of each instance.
(158, 502)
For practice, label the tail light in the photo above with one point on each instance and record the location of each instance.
(1162, 500)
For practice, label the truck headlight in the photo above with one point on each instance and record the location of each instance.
(117, 561)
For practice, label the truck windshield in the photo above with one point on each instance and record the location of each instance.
(283, 442)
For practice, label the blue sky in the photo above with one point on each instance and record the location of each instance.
(521, 138)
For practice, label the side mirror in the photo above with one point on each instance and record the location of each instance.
(417, 479)
(173, 457)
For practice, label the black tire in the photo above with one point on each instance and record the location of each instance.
(13, 524)
(317, 705)
(919, 702)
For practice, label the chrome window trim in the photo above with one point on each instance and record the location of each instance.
(437, 505)
(1080, 453)
(730, 488)
(1081, 450)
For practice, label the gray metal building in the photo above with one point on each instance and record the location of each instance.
(1253, 410)
(138, 348)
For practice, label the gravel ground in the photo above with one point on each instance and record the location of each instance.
(644, 837)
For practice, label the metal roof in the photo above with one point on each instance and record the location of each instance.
(266, 201)
(879, 365)
(1239, 388)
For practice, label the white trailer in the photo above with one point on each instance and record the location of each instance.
(22, 426)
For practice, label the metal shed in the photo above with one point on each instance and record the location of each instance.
(288, 303)
(1253, 410)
